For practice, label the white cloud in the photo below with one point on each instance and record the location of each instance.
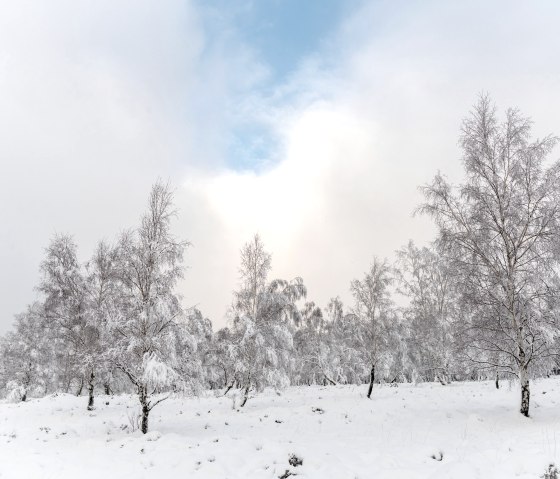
(359, 136)
(100, 99)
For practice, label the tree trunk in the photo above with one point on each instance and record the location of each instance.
(497, 380)
(330, 380)
(26, 383)
(107, 389)
(228, 388)
(441, 379)
(145, 409)
(525, 394)
(371, 380)
(80, 387)
(90, 391)
(145, 413)
(246, 394)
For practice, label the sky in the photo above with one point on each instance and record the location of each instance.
(310, 122)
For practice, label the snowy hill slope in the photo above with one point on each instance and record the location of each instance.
(464, 430)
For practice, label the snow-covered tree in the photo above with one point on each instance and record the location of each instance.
(345, 352)
(312, 347)
(195, 350)
(25, 354)
(147, 337)
(499, 229)
(262, 315)
(375, 312)
(67, 309)
(328, 346)
(104, 302)
(425, 278)
(222, 359)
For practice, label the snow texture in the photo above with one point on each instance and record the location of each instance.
(462, 430)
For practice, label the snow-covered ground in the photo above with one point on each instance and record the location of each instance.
(464, 430)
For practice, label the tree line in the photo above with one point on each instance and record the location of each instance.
(480, 301)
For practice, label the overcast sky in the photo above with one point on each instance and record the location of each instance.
(312, 123)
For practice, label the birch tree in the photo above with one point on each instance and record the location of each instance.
(146, 330)
(262, 315)
(27, 362)
(67, 309)
(499, 229)
(373, 307)
(346, 357)
(425, 278)
(105, 300)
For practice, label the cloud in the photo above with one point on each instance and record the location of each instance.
(99, 99)
(361, 125)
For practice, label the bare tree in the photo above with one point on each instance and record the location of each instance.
(499, 228)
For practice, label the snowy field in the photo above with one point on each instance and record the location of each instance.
(464, 430)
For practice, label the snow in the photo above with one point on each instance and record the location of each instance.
(473, 428)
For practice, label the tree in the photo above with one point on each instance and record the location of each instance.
(27, 364)
(327, 346)
(194, 350)
(373, 308)
(262, 315)
(253, 272)
(345, 354)
(499, 229)
(104, 299)
(312, 347)
(223, 358)
(425, 279)
(146, 329)
(67, 309)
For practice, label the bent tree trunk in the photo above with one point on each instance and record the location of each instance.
(246, 394)
(371, 380)
(80, 387)
(525, 393)
(90, 391)
(147, 404)
(441, 377)
(228, 388)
